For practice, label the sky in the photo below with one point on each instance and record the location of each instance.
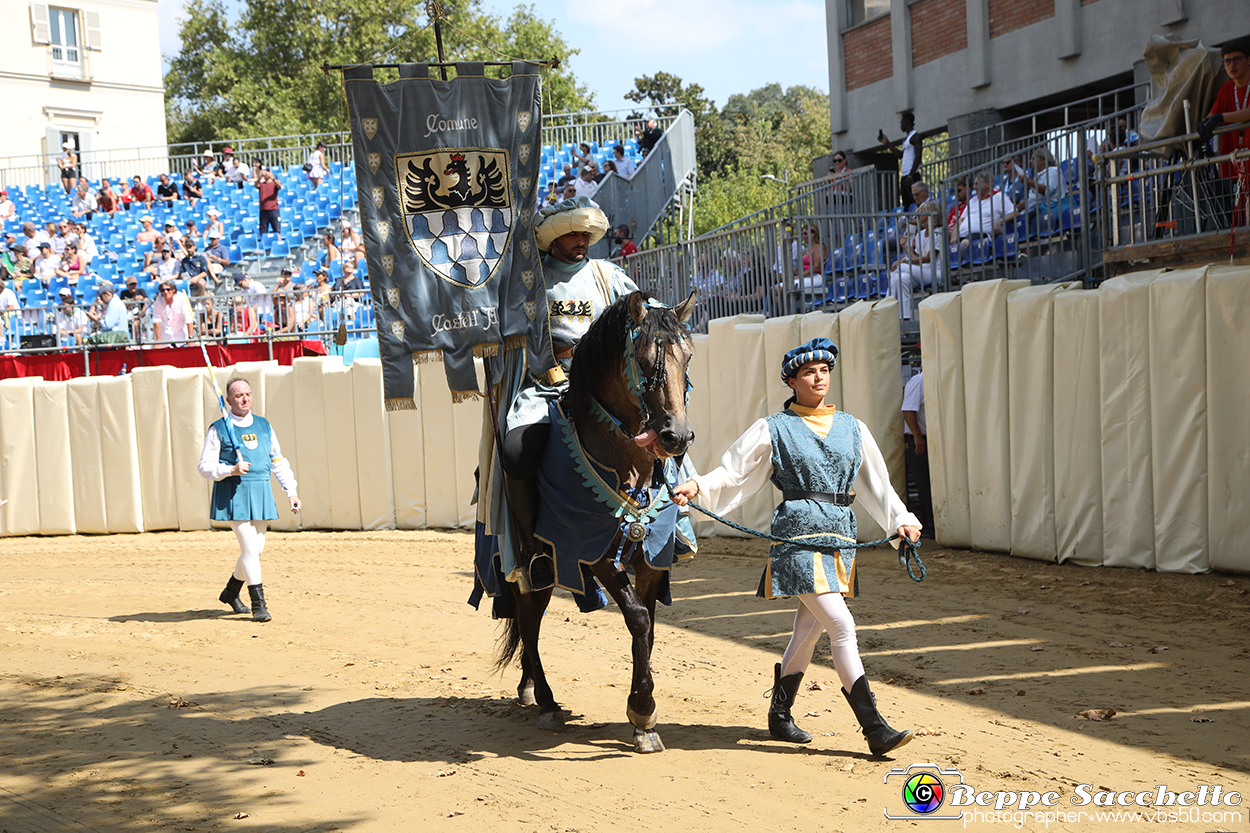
(727, 46)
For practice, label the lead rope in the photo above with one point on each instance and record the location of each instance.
(906, 549)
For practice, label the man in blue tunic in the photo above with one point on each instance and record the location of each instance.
(240, 456)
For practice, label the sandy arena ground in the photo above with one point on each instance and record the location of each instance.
(130, 701)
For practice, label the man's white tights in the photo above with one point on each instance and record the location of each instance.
(817, 613)
(251, 535)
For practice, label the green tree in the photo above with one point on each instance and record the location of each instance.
(261, 75)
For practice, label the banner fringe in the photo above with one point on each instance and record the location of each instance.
(514, 342)
(484, 351)
(403, 404)
(458, 396)
(427, 356)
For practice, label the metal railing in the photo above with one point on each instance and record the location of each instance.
(292, 150)
(298, 313)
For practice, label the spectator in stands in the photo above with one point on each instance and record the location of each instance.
(351, 243)
(68, 163)
(315, 168)
(235, 172)
(196, 269)
(321, 292)
(8, 307)
(84, 203)
(919, 192)
(207, 166)
(254, 292)
(60, 235)
(585, 186)
(624, 238)
(242, 320)
(985, 212)
(191, 231)
(212, 320)
(916, 267)
(1045, 184)
(214, 225)
(566, 179)
(1119, 136)
(284, 285)
(136, 300)
(18, 265)
(908, 153)
(148, 234)
(257, 167)
(45, 265)
(106, 199)
(71, 266)
(139, 193)
(172, 316)
(169, 268)
(648, 138)
(192, 191)
(72, 324)
(166, 189)
(1232, 106)
(283, 319)
(624, 165)
(86, 244)
(218, 257)
(582, 158)
(109, 315)
(31, 239)
(303, 308)
(350, 281)
(957, 210)
(8, 211)
(594, 169)
(570, 191)
(267, 187)
(331, 251)
(553, 195)
(609, 167)
(173, 238)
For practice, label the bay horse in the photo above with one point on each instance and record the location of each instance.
(622, 418)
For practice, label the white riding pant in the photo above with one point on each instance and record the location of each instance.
(251, 535)
(817, 613)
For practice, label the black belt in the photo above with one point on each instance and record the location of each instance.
(837, 499)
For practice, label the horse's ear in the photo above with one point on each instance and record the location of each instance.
(637, 307)
(686, 308)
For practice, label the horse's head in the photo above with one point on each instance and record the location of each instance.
(662, 350)
(632, 362)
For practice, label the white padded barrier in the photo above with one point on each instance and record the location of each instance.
(1124, 367)
(156, 466)
(722, 394)
(56, 465)
(942, 356)
(985, 384)
(19, 458)
(702, 455)
(312, 460)
(407, 439)
(186, 392)
(1228, 410)
(340, 438)
(278, 406)
(373, 447)
(1178, 420)
(1031, 418)
(120, 444)
(870, 356)
(1078, 432)
(88, 454)
(749, 361)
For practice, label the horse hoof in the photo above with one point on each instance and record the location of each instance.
(525, 696)
(640, 721)
(647, 741)
(551, 721)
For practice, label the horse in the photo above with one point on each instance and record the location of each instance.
(625, 409)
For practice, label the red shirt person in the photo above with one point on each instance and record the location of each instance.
(1232, 103)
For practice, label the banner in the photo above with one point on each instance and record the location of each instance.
(446, 173)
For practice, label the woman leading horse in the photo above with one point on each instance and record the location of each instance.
(821, 459)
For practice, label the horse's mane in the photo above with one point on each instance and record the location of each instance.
(600, 355)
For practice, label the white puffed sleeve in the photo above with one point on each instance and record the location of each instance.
(280, 466)
(743, 471)
(872, 488)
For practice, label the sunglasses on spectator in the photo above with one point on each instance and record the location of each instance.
(841, 159)
(1233, 60)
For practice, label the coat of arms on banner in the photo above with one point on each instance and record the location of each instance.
(379, 194)
(523, 120)
(375, 162)
(370, 126)
(458, 210)
(388, 263)
(392, 296)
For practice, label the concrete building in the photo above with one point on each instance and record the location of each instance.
(963, 64)
(86, 72)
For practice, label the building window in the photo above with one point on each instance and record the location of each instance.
(66, 54)
(861, 10)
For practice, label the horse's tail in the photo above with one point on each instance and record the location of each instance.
(509, 641)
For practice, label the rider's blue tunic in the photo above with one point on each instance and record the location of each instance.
(804, 461)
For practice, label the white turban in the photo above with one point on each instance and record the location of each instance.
(577, 214)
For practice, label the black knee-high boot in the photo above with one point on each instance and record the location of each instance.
(230, 596)
(260, 613)
(780, 722)
(881, 738)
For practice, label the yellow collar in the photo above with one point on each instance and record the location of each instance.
(823, 410)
